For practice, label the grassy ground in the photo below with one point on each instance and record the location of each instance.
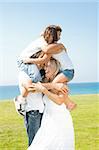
(85, 117)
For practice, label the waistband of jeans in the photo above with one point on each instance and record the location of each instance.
(34, 111)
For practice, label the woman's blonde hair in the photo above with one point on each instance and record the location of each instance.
(57, 63)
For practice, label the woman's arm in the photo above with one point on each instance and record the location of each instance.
(56, 86)
(58, 97)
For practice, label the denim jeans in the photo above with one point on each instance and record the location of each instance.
(69, 73)
(30, 69)
(32, 122)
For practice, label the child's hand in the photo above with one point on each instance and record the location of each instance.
(27, 60)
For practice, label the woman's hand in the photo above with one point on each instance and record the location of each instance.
(38, 87)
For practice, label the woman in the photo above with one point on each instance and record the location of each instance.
(56, 131)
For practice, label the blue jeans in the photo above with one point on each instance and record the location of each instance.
(30, 69)
(32, 122)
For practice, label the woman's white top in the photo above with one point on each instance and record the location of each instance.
(34, 47)
(64, 60)
(56, 131)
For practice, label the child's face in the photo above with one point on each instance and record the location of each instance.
(50, 39)
(58, 35)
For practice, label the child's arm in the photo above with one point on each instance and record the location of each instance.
(53, 48)
(48, 50)
(42, 60)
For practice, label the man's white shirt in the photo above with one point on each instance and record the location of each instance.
(34, 100)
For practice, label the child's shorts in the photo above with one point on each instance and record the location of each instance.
(31, 70)
(69, 73)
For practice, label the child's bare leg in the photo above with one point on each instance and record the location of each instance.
(23, 91)
(60, 78)
(70, 104)
(24, 83)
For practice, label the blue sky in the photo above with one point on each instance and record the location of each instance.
(21, 23)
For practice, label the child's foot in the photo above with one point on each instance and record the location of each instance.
(71, 106)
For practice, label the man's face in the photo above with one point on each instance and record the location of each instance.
(50, 69)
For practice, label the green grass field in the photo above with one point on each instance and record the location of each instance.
(85, 117)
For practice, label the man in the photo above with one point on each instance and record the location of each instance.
(34, 110)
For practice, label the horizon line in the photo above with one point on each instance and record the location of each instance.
(68, 83)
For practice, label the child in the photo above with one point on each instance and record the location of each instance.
(57, 51)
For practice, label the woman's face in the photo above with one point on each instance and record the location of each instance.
(50, 70)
